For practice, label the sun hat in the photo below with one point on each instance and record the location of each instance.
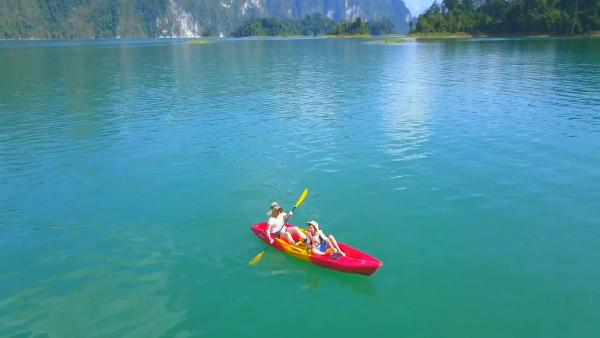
(314, 223)
(274, 206)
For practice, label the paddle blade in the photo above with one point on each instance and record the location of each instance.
(302, 198)
(257, 259)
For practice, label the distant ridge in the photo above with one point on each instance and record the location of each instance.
(64, 19)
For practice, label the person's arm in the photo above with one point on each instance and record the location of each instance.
(308, 243)
(285, 217)
(268, 233)
(314, 246)
(325, 238)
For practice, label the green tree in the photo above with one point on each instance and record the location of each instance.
(356, 27)
(512, 16)
(381, 27)
(468, 5)
(450, 5)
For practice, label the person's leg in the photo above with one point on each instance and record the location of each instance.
(334, 243)
(287, 237)
(295, 230)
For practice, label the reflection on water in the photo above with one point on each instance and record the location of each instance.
(359, 284)
(404, 105)
(404, 112)
(311, 277)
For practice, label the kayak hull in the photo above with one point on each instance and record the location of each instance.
(355, 261)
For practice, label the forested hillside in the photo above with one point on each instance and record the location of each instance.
(566, 17)
(24, 19)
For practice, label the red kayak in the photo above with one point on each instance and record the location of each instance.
(355, 261)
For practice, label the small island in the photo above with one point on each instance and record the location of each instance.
(198, 42)
(391, 41)
(439, 36)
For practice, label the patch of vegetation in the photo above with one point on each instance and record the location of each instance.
(266, 27)
(356, 27)
(313, 25)
(362, 28)
(565, 17)
(391, 41)
(198, 42)
(440, 36)
(64, 19)
(349, 36)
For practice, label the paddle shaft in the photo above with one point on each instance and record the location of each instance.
(286, 219)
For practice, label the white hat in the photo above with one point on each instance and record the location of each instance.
(314, 223)
(274, 205)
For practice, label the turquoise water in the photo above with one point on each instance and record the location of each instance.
(131, 172)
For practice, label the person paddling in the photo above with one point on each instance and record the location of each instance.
(277, 229)
(321, 244)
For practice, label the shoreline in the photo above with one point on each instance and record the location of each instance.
(349, 36)
(415, 36)
(439, 36)
(466, 36)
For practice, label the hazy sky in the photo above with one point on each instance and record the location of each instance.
(417, 6)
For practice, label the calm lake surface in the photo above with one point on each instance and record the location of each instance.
(131, 172)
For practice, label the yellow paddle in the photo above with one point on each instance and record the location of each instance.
(259, 257)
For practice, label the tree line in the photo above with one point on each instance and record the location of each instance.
(312, 25)
(566, 17)
(64, 19)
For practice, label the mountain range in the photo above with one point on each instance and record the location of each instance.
(64, 19)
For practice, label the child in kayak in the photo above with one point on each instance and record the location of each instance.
(321, 244)
(276, 226)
